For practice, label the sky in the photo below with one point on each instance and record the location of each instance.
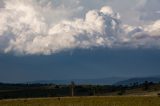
(69, 39)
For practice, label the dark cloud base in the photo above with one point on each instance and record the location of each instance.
(96, 63)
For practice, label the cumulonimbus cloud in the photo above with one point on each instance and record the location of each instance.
(25, 29)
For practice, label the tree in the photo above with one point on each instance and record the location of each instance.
(146, 85)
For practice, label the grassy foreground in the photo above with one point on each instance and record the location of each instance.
(86, 101)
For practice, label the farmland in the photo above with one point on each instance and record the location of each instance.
(86, 101)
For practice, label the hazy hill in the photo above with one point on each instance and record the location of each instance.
(155, 79)
(102, 81)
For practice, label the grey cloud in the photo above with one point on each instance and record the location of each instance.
(148, 10)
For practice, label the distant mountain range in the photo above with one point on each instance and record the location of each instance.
(155, 79)
(103, 81)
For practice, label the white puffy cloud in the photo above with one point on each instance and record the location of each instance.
(37, 27)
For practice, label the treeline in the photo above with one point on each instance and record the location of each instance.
(52, 90)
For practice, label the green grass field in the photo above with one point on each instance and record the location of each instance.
(86, 101)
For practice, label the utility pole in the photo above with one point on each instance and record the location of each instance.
(72, 88)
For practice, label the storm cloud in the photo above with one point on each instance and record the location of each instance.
(44, 27)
